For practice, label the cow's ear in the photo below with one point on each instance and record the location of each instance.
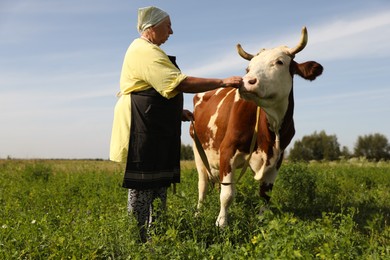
(309, 70)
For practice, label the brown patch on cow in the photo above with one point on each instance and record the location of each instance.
(208, 107)
(238, 130)
(224, 115)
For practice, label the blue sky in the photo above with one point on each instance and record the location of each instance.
(60, 63)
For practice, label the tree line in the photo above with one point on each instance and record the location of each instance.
(186, 152)
(321, 146)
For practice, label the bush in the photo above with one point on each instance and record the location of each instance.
(38, 171)
(295, 188)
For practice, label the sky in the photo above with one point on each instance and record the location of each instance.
(60, 64)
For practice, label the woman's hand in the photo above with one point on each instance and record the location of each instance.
(234, 82)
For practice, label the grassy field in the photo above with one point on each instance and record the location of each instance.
(76, 209)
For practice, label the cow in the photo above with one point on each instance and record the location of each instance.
(227, 119)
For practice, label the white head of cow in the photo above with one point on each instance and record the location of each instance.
(268, 81)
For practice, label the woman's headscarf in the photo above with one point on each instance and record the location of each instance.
(149, 16)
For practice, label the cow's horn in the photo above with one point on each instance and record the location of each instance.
(243, 53)
(302, 42)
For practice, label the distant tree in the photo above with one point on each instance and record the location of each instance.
(299, 152)
(345, 152)
(373, 147)
(318, 146)
(186, 152)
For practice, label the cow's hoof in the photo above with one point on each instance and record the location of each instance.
(221, 222)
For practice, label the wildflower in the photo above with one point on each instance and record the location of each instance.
(4, 226)
(255, 240)
(33, 222)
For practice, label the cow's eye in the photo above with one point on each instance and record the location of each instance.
(279, 62)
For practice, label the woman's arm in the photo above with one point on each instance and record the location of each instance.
(196, 85)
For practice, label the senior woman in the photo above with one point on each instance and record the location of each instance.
(148, 114)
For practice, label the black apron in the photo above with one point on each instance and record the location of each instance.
(153, 159)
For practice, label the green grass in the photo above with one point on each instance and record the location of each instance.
(64, 209)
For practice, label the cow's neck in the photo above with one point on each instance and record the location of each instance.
(275, 115)
(281, 122)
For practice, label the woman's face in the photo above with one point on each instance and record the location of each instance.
(161, 32)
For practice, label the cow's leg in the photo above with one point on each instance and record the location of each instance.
(202, 187)
(226, 197)
(226, 177)
(202, 177)
(266, 185)
(265, 188)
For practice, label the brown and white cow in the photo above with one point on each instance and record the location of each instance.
(225, 122)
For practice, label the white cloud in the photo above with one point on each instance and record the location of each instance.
(222, 65)
(364, 95)
(352, 37)
(69, 6)
(365, 36)
(72, 83)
